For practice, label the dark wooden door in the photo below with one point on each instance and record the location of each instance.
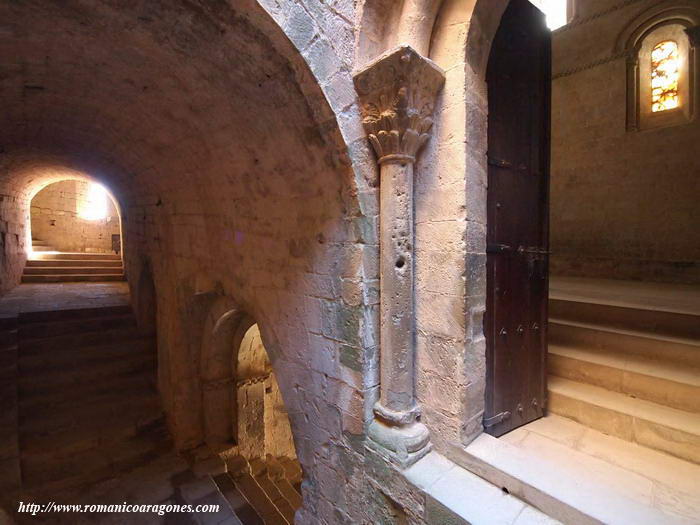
(518, 76)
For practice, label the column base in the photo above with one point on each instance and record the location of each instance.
(402, 445)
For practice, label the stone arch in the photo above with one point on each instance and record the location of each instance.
(683, 12)
(234, 138)
(23, 174)
(633, 43)
(221, 328)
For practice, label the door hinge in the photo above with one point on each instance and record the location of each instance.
(506, 164)
(495, 420)
(498, 248)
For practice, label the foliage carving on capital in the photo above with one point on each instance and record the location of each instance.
(397, 95)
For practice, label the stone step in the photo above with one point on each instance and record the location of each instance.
(40, 362)
(75, 263)
(73, 278)
(67, 342)
(50, 472)
(8, 322)
(48, 402)
(74, 314)
(668, 384)
(81, 375)
(73, 256)
(41, 330)
(96, 432)
(277, 473)
(205, 491)
(73, 270)
(240, 506)
(586, 335)
(669, 430)
(129, 389)
(246, 484)
(655, 320)
(292, 468)
(114, 407)
(258, 469)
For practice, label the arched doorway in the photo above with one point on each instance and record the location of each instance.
(265, 470)
(74, 233)
(78, 216)
(246, 420)
(262, 425)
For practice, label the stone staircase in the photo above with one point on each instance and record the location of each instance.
(88, 406)
(261, 491)
(59, 267)
(628, 367)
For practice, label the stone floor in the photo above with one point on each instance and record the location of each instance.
(63, 296)
(639, 473)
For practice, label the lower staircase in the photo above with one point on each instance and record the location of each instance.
(262, 491)
(626, 361)
(88, 406)
(60, 267)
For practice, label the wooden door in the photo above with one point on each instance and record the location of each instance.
(518, 76)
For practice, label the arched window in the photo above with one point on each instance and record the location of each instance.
(661, 65)
(665, 76)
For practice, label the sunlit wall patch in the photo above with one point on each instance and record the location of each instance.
(96, 206)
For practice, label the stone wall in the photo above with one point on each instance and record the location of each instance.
(623, 203)
(57, 219)
(13, 233)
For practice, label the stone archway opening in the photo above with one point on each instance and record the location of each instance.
(75, 216)
(262, 425)
(74, 233)
(247, 423)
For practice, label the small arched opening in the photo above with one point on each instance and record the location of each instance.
(244, 415)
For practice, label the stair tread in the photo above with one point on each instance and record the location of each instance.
(621, 331)
(638, 408)
(109, 427)
(67, 278)
(75, 274)
(93, 338)
(638, 364)
(662, 297)
(99, 389)
(82, 267)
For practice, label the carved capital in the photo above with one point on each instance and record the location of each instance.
(397, 94)
(694, 35)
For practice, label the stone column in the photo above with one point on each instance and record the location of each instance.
(397, 93)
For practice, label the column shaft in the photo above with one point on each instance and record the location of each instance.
(396, 286)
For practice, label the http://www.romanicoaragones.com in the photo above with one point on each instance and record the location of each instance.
(118, 508)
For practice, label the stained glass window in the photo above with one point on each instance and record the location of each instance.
(665, 74)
